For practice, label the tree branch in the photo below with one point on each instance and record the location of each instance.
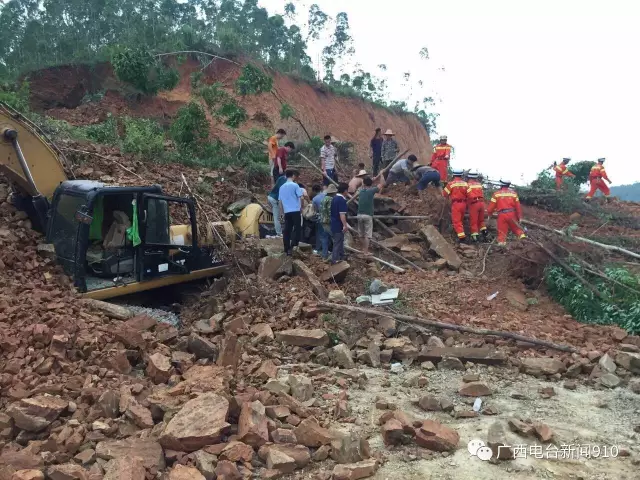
(195, 52)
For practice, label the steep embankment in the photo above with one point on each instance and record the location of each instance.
(63, 93)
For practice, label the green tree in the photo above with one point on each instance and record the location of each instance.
(190, 129)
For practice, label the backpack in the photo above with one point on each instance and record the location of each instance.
(309, 211)
(325, 210)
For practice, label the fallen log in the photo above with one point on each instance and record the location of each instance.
(447, 326)
(110, 309)
(388, 250)
(611, 248)
(395, 268)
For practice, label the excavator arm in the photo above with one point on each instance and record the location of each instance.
(28, 158)
(31, 162)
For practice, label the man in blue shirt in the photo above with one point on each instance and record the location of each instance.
(316, 201)
(275, 204)
(339, 224)
(290, 198)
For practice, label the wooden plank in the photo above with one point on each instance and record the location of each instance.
(484, 355)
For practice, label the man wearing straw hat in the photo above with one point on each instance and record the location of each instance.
(390, 148)
(356, 182)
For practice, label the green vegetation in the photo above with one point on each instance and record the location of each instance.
(190, 130)
(142, 137)
(16, 95)
(134, 34)
(620, 307)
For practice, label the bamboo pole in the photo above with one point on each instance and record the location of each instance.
(611, 248)
(395, 268)
(446, 326)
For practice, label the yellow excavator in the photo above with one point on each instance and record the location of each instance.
(113, 240)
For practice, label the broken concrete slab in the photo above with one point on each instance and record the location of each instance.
(542, 366)
(300, 337)
(336, 272)
(302, 270)
(483, 355)
(497, 441)
(355, 471)
(439, 244)
(629, 361)
(437, 437)
(274, 266)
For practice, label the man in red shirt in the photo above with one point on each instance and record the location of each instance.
(440, 158)
(280, 163)
(507, 204)
(475, 202)
(562, 171)
(597, 176)
(456, 190)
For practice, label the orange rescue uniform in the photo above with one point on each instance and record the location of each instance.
(475, 201)
(561, 171)
(440, 160)
(456, 190)
(597, 176)
(506, 202)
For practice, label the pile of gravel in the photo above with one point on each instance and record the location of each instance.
(156, 313)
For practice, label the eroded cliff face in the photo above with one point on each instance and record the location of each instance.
(63, 93)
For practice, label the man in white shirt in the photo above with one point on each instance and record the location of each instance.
(328, 157)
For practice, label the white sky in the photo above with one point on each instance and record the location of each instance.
(526, 82)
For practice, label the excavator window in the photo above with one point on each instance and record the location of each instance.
(64, 226)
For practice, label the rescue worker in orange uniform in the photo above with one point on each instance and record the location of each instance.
(562, 171)
(456, 190)
(507, 204)
(440, 158)
(597, 176)
(475, 202)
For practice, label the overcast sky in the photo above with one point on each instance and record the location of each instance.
(525, 82)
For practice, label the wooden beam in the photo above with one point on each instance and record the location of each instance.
(395, 268)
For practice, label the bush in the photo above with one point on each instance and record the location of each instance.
(16, 96)
(142, 137)
(190, 129)
(253, 81)
(105, 132)
(140, 69)
(232, 113)
(620, 306)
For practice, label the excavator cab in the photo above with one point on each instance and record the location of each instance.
(125, 238)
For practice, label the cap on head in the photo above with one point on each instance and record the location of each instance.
(457, 173)
(505, 183)
(566, 160)
(472, 174)
(601, 160)
(443, 138)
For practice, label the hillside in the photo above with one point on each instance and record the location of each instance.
(630, 193)
(60, 92)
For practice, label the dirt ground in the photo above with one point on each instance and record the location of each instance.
(582, 417)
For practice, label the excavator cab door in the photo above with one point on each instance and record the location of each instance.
(167, 247)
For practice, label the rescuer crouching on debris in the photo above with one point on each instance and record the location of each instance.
(507, 205)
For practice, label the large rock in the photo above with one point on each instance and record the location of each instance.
(300, 454)
(125, 468)
(140, 415)
(149, 452)
(350, 448)
(26, 475)
(274, 266)
(609, 380)
(316, 286)
(311, 434)
(180, 472)
(158, 368)
(437, 437)
(355, 471)
(475, 389)
(226, 470)
(607, 364)
(230, 352)
(67, 471)
(300, 337)
(109, 403)
(200, 422)
(497, 441)
(252, 424)
(110, 309)
(206, 464)
(542, 366)
(37, 413)
(301, 387)
(517, 299)
(21, 460)
(629, 361)
(201, 347)
(277, 460)
(439, 244)
(343, 357)
(336, 272)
